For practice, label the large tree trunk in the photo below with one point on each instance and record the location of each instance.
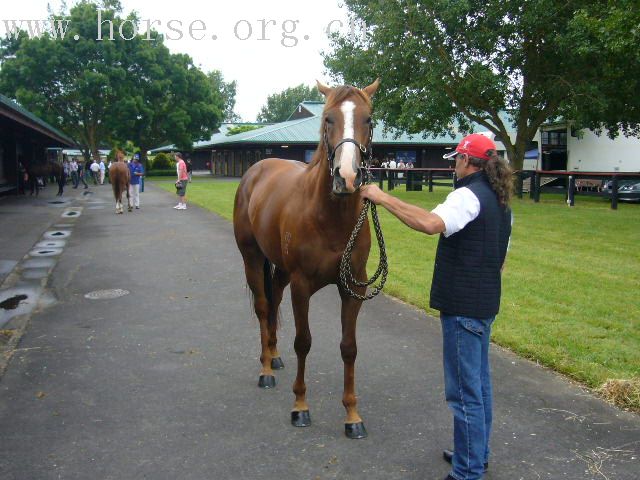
(144, 159)
(92, 141)
(515, 152)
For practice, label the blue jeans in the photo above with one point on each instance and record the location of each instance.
(467, 380)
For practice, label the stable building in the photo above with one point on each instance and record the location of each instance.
(24, 138)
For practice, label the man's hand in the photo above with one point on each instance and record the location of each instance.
(373, 193)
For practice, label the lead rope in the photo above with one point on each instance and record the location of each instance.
(346, 273)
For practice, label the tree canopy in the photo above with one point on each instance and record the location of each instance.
(108, 91)
(228, 92)
(281, 105)
(498, 63)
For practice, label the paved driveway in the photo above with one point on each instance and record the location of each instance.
(161, 383)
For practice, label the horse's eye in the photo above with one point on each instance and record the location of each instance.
(369, 121)
(328, 120)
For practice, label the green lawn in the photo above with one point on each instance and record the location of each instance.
(570, 286)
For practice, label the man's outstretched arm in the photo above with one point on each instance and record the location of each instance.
(414, 217)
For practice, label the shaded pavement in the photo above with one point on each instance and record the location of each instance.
(161, 383)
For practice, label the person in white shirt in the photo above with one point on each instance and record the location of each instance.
(392, 166)
(103, 169)
(73, 167)
(474, 223)
(95, 171)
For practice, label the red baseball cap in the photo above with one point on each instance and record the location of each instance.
(474, 145)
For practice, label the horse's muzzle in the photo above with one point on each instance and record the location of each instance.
(340, 186)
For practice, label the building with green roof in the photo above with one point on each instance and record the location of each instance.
(297, 139)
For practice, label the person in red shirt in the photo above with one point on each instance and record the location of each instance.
(181, 184)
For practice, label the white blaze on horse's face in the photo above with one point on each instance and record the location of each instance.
(349, 153)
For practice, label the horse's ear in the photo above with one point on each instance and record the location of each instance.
(372, 89)
(323, 89)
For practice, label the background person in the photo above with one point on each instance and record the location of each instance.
(102, 171)
(475, 226)
(181, 183)
(95, 171)
(136, 170)
(74, 172)
(81, 174)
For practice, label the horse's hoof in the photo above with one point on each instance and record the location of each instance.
(267, 381)
(355, 430)
(276, 363)
(301, 419)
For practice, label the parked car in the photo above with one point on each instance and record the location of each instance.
(628, 190)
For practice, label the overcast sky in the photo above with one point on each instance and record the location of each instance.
(261, 63)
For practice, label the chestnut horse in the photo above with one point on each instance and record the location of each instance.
(292, 222)
(119, 176)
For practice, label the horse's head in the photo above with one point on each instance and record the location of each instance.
(347, 133)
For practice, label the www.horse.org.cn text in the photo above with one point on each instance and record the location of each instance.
(288, 33)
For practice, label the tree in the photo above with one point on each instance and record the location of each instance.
(444, 62)
(608, 37)
(70, 83)
(111, 90)
(281, 105)
(228, 92)
(169, 99)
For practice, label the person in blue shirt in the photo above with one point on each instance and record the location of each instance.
(136, 170)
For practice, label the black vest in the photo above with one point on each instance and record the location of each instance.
(466, 276)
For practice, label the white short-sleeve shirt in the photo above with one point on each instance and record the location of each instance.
(461, 207)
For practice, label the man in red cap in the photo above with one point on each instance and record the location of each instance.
(474, 224)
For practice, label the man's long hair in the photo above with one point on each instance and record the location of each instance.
(499, 173)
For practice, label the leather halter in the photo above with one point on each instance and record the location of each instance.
(366, 152)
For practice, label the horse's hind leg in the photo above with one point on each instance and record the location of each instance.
(254, 268)
(280, 281)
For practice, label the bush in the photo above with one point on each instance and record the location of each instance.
(162, 161)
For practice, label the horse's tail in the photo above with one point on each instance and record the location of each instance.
(272, 318)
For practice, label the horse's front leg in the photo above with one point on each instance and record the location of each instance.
(353, 425)
(280, 281)
(300, 293)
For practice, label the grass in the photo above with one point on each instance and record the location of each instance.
(570, 286)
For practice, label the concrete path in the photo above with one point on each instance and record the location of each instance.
(161, 383)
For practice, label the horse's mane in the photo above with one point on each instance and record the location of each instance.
(337, 96)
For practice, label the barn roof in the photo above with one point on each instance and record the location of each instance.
(303, 127)
(17, 113)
